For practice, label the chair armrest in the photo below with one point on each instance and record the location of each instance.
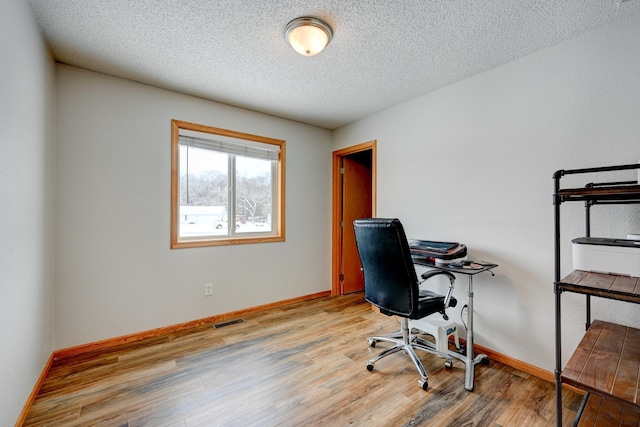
(452, 280)
(429, 274)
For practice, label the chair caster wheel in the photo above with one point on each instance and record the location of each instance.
(485, 361)
(423, 384)
(369, 367)
(372, 343)
(448, 363)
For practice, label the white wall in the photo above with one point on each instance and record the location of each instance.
(473, 162)
(115, 273)
(26, 200)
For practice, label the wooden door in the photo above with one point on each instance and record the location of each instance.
(356, 203)
(361, 163)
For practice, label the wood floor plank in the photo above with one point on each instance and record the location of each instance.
(302, 364)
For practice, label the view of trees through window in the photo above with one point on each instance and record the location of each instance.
(205, 182)
(253, 190)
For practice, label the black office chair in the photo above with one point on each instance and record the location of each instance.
(391, 284)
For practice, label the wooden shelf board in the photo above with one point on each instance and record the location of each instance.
(620, 192)
(624, 288)
(607, 362)
(602, 412)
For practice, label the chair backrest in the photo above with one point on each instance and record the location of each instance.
(390, 281)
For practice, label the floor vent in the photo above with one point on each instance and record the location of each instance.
(231, 322)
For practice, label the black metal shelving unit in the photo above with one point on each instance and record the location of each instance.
(598, 365)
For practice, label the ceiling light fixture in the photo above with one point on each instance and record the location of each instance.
(308, 36)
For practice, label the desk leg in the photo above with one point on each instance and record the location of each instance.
(471, 361)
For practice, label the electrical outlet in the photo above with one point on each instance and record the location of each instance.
(208, 290)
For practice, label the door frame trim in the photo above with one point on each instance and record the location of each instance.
(336, 200)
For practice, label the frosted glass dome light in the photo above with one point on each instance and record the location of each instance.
(308, 36)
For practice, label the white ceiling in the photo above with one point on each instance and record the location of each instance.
(383, 51)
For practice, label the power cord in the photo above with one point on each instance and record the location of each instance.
(464, 307)
(463, 347)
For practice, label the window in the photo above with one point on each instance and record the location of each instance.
(227, 187)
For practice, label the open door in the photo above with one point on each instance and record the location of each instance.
(353, 197)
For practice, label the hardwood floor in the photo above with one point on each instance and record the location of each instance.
(299, 365)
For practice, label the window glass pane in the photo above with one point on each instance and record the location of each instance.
(254, 194)
(204, 192)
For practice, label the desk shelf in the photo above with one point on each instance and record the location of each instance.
(607, 361)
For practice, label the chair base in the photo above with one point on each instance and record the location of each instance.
(404, 341)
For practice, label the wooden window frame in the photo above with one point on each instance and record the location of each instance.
(278, 226)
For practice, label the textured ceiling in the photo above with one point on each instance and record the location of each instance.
(383, 52)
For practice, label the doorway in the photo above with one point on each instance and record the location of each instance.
(354, 196)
